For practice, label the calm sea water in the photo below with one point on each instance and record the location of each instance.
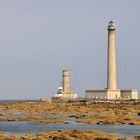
(18, 100)
(22, 128)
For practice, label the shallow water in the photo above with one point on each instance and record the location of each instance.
(22, 128)
(18, 114)
(25, 127)
(137, 116)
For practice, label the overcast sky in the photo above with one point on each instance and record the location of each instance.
(40, 38)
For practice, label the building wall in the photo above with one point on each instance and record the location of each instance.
(64, 97)
(129, 94)
(96, 94)
(111, 94)
(69, 95)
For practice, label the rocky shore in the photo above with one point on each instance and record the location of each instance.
(67, 135)
(94, 113)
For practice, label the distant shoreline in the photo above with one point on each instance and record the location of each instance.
(20, 100)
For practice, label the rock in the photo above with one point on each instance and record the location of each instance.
(131, 123)
(138, 114)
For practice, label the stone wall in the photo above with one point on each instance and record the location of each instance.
(111, 94)
(96, 94)
(69, 95)
(129, 94)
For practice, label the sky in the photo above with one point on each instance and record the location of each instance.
(40, 38)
